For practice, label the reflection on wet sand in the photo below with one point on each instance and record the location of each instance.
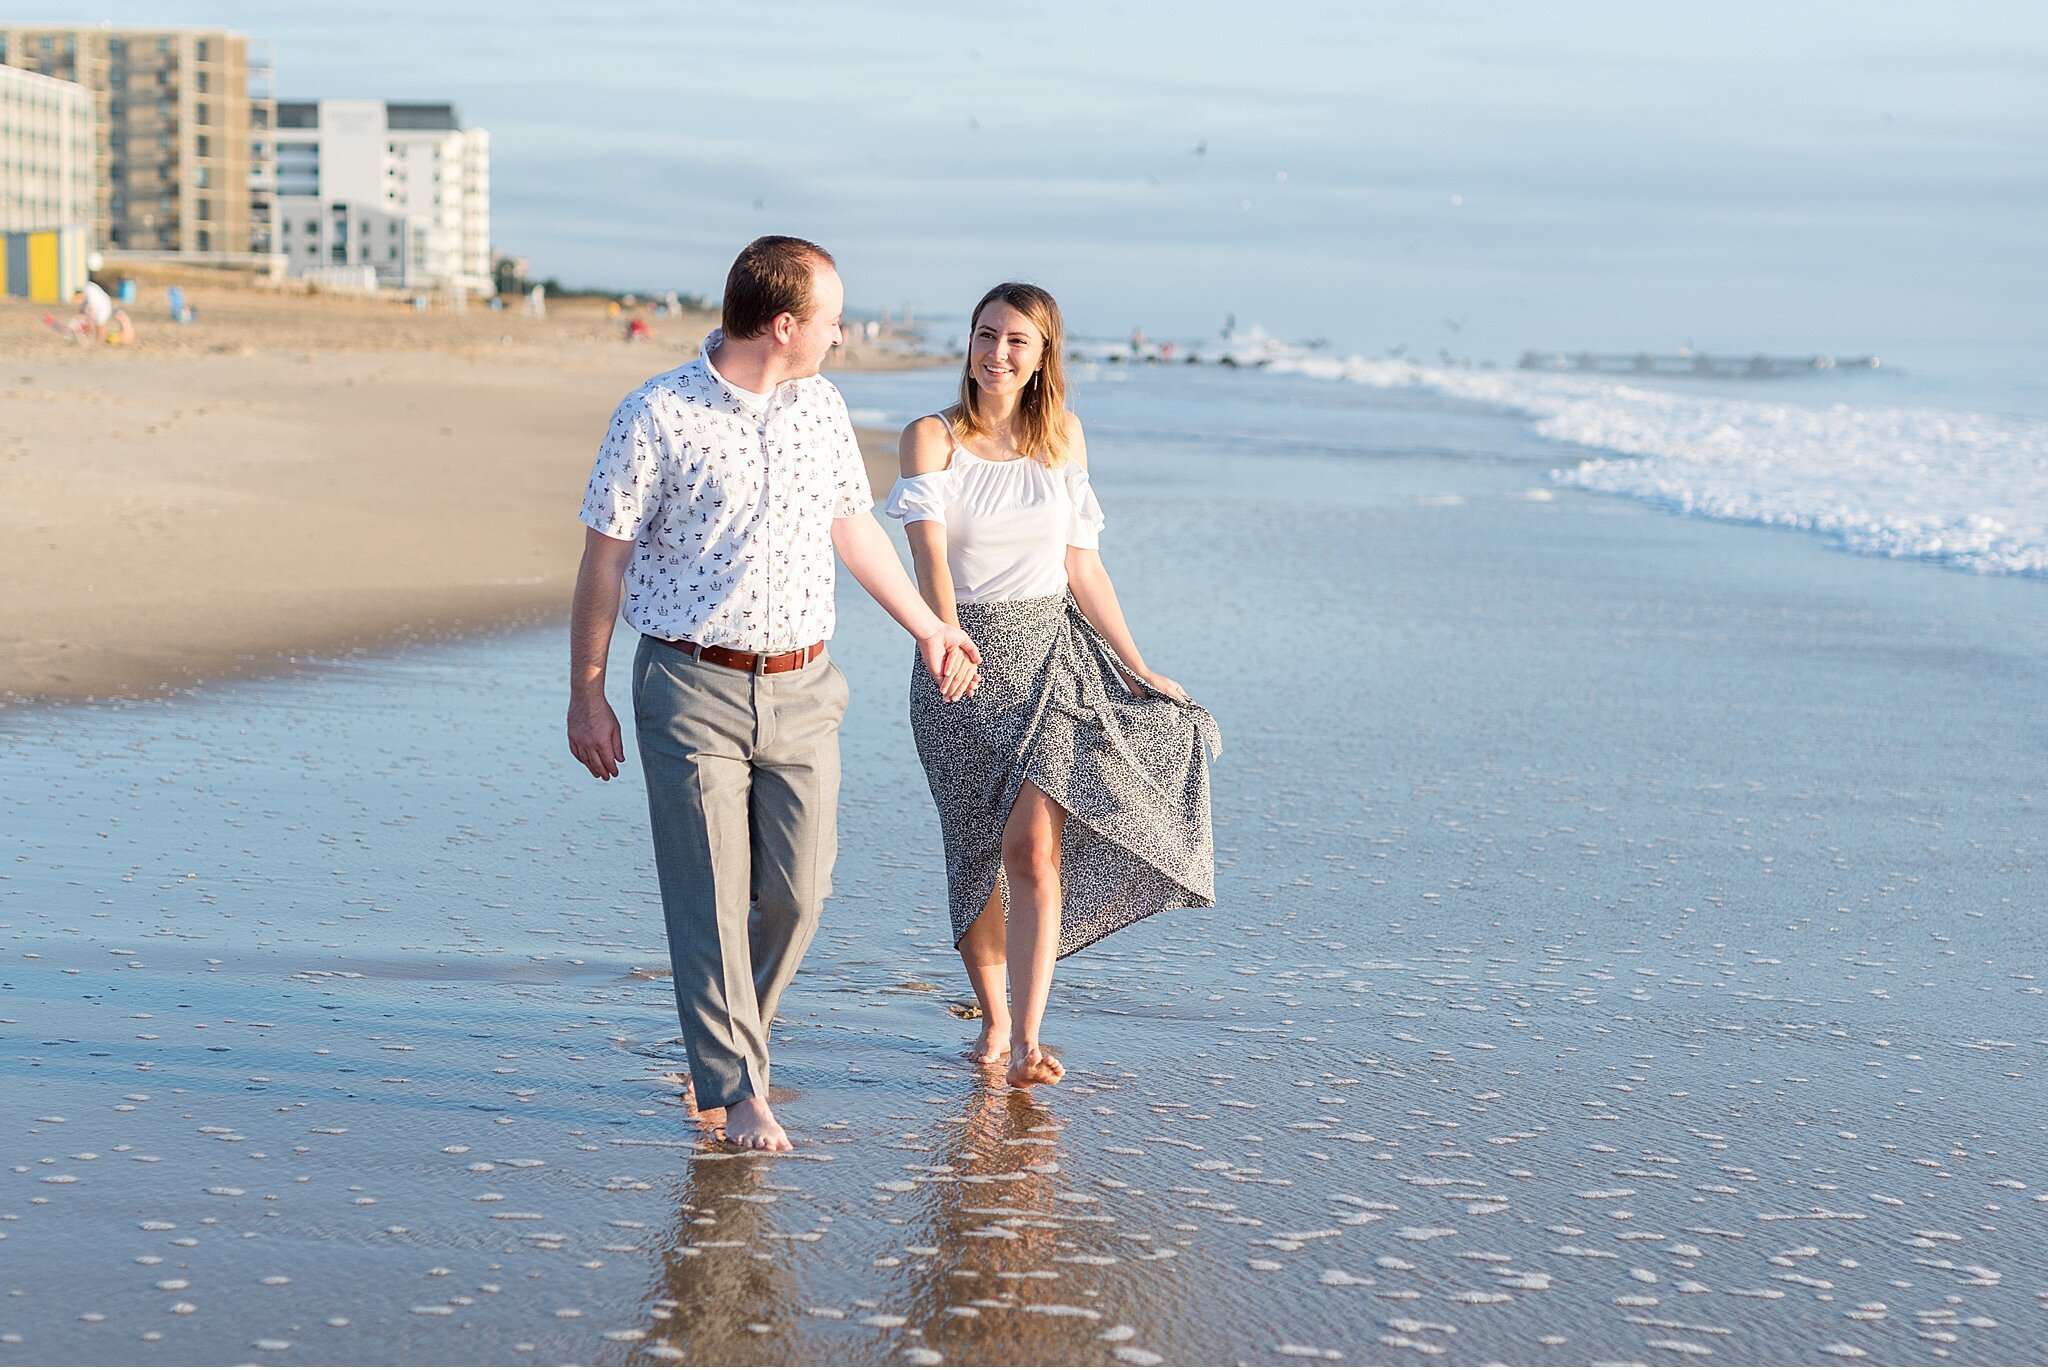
(1008, 1262)
(723, 1294)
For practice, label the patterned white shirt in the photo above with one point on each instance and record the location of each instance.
(729, 499)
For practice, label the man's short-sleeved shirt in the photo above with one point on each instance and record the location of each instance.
(728, 498)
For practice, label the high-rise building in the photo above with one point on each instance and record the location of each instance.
(46, 184)
(402, 188)
(184, 159)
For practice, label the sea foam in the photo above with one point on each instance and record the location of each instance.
(1966, 490)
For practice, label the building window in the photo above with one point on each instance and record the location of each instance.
(199, 113)
(202, 209)
(202, 146)
(200, 50)
(205, 240)
(202, 176)
(199, 81)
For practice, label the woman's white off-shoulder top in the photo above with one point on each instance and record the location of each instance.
(1008, 523)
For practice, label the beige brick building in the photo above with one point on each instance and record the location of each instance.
(185, 157)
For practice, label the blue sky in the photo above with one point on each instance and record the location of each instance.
(1478, 176)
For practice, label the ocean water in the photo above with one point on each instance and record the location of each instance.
(1627, 948)
(1945, 463)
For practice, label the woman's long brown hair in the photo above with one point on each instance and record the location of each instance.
(1041, 413)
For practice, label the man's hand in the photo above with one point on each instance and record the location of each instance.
(956, 679)
(593, 727)
(594, 737)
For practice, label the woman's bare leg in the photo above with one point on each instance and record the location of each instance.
(988, 971)
(1031, 863)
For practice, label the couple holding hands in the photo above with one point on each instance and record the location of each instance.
(1071, 780)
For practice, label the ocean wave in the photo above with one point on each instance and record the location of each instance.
(1966, 490)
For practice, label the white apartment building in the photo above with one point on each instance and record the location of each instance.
(401, 188)
(46, 184)
(46, 152)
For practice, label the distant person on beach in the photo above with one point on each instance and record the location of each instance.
(718, 498)
(95, 308)
(1073, 785)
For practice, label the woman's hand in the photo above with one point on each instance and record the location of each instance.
(951, 657)
(1151, 682)
(962, 677)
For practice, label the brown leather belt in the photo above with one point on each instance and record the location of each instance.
(765, 663)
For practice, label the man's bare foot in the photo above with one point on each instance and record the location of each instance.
(750, 1126)
(1034, 1065)
(991, 1046)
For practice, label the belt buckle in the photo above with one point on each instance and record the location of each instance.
(760, 664)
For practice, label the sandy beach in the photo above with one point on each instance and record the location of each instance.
(1626, 950)
(296, 475)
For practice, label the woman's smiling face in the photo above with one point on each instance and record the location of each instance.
(1005, 351)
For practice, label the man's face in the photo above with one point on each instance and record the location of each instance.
(820, 334)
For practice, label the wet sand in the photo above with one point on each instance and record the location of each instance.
(1626, 950)
(298, 475)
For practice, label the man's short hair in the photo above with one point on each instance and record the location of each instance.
(771, 276)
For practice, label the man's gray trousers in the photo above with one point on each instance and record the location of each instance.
(743, 789)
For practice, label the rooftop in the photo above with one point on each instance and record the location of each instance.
(401, 117)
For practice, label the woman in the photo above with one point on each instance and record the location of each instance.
(1073, 785)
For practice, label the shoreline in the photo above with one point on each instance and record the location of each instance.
(299, 476)
(1611, 924)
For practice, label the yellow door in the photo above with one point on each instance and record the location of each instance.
(43, 284)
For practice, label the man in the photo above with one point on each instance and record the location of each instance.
(718, 498)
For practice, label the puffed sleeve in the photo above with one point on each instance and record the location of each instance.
(921, 498)
(1084, 528)
(625, 481)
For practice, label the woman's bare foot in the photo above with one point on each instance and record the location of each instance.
(1034, 1065)
(750, 1126)
(991, 1046)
